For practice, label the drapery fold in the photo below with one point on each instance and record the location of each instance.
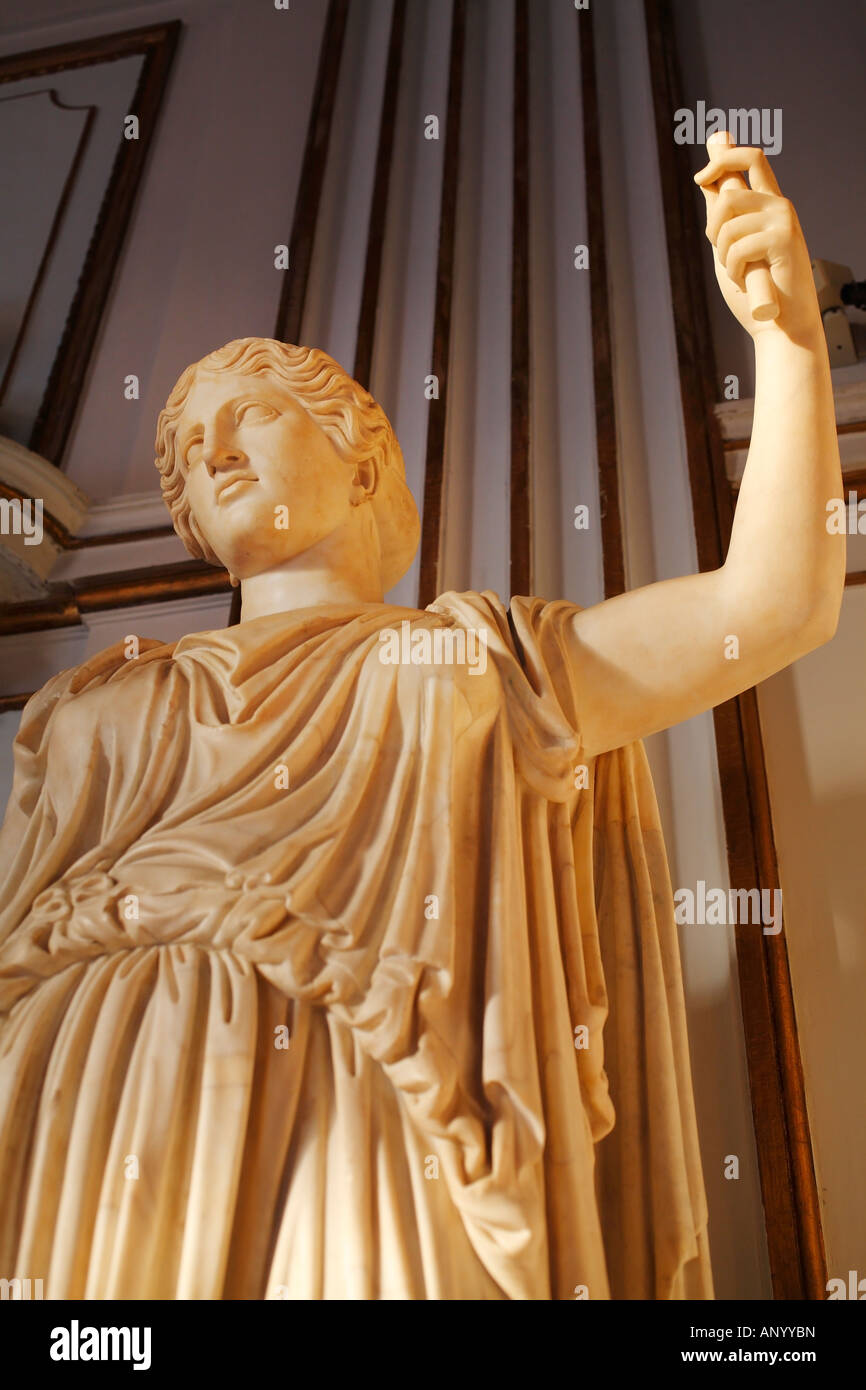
(269, 827)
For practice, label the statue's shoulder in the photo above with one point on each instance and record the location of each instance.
(468, 606)
(126, 655)
(69, 685)
(528, 612)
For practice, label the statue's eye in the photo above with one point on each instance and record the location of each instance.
(254, 412)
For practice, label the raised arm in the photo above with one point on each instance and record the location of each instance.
(650, 658)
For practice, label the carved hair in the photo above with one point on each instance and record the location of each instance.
(353, 421)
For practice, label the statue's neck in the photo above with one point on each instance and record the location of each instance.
(339, 569)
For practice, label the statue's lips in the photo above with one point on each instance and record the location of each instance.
(229, 488)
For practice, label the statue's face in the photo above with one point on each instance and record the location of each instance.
(250, 451)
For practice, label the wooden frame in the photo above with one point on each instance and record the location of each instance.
(434, 457)
(156, 44)
(290, 313)
(612, 547)
(56, 221)
(369, 311)
(520, 493)
(791, 1208)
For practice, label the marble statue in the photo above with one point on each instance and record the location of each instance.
(337, 950)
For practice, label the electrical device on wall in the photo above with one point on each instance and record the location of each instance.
(837, 289)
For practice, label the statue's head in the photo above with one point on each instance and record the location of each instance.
(263, 447)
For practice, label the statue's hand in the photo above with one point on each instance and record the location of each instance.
(751, 222)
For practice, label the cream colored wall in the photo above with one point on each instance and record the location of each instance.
(812, 720)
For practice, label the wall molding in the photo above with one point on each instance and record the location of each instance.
(156, 43)
(66, 605)
(735, 417)
(36, 656)
(124, 515)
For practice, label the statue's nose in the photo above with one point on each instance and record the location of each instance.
(219, 457)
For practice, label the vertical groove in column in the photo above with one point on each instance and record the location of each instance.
(431, 524)
(613, 557)
(290, 313)
(520, 574)
(379, 204)
(291, 309)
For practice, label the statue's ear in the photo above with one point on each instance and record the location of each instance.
(366, 475)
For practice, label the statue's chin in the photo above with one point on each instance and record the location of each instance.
(243, 565)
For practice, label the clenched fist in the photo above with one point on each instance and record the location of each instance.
(751, 222)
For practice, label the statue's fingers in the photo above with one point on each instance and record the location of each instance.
(711, 199)
(732, 231)
(739, 159)
(743, 252)
(733, 202)
(719, 140)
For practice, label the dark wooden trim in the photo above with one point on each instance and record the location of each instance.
(434, 459)
(59, 609)
(613, 555)
(731, 446)
(855, 577)
(55, 529)
(294, 291)
(520, 567)
(148, 533)
(13, 702)
(66, 604)
(84, 53)
(54, 229)
(156, 584)
(379, 204)
(157, 43)
(853, 481)
(66, 541)
(792, 1212)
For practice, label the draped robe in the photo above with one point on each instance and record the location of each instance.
(322, 977)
